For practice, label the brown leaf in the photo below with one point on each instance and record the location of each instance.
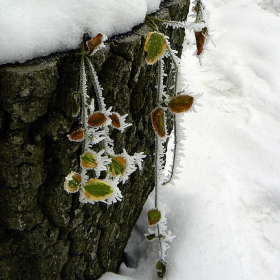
(180, 103)
(77, 135)
(94, 42)
(115, 120)
(200, 39)
(97, 119)
(158, 121)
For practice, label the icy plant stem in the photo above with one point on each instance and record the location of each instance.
(175, 66)
(96, 85)
(156, 171)
(174, 153)
(199, 15)
(83, 89)
(150, 22)
(84, 115)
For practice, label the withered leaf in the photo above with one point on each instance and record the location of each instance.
(115, 120)
(158, 121)
(77, 135)
(94, 42)
(200, 39)
(180, 103)
(97, 119)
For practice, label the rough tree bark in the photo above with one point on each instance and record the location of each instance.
(46, 233)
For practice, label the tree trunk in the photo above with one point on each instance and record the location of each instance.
(46, 233)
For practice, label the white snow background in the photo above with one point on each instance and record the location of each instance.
(225, 209)
(34, 28)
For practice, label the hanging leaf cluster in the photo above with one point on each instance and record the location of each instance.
(95, 128)
(176, 101)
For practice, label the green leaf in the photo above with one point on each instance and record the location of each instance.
(96, 190)
(158, 121)
(180, 103)
(150, 237)
(154, 216)
(161, 265)
(88, 160)
(155, 46)
(72, 182)
(117, 166)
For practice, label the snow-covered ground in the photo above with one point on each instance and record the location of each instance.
(225, 209)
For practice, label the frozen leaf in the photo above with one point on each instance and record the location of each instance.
(180, 103)
(158, 121)
(200, 39)
(115, 120)
(154, 216)
(150, 237)
(94, 42)
(72, 182)
(117, 166)
(77, 135)
(88, 160)
(161, 265)
(97, 119)
(97, 190)
(155, 46)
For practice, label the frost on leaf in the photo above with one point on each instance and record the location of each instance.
(158, 121)
(180, 103)
(97, 119)
(154, 216)
(155, 46)
(117, 166)
(115, 120)
(72, 182)
(200, 39)
(161, 265)
(97, 190)
(88, 160)
(94, 43)
(77, 135)
(150, 237)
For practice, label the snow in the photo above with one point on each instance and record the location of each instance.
(34, 28)
(225, 209)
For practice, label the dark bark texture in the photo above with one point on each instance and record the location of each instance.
(46, 233)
